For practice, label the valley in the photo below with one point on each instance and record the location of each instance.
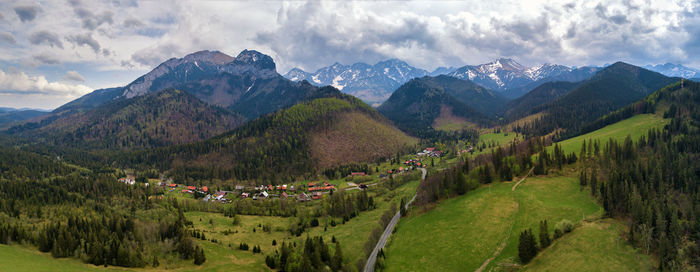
(210, 162)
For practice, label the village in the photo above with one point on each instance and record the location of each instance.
(302, 191)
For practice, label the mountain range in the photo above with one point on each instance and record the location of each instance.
(219, 93)
(371, 83)
(674, 70)
(375, 83)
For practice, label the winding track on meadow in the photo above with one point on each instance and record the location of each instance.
(505, 240)
(369, 266)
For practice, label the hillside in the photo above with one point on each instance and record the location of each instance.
(610, 89)
(524, 105)
(287, 143)
(158, 119)
(9, 118)
(416, 105)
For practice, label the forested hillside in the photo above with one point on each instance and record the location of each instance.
(284, 144)
(416, 105)
(654, 181)
(159, 119)
(610, 89)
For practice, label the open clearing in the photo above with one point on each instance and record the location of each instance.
(595, 246)
(461, 233)
(635, 126)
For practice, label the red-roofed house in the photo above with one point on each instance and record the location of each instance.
(191, 188)
(430, 149)
(205, 189)
(358, 174)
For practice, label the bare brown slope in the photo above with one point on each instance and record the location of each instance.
(355, 138)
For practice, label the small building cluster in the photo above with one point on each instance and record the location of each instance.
(430, 152)
(129, 179)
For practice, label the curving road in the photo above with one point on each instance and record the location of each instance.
(369, 266)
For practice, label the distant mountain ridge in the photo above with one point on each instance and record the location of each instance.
(513, 79)
(371, 83)
(674, 70)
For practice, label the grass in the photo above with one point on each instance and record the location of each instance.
(635, 126)
(457, 235)
(546, 198)
(352, 235)
(595, 246)
(495, 140)
(21, 258)
(462, 232)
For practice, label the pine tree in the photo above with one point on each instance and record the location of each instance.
(527, 246)
(199, 257)
(545, 240)
(337, 261)
(403, 208)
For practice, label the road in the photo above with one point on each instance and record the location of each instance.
(369, 266)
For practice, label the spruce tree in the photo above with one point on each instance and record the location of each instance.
(545, 240)
(527, 246)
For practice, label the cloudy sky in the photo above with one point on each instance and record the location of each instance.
(54, 51)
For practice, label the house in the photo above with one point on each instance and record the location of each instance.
(239, 187)
(360, 174)
(172, 185)
(311, 184)
(205, 189)
(284, 195)
(284, 186)
(191, 188)
(206, 198)
(186, 191)
(429, 149)
(219, 195)
(317, 195)
(244, 195)
(270, 187)
(264, 194)
(303, 197)
(291, 188)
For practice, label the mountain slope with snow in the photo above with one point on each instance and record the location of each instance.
(674, 70)
(513, 79)
(371, 83)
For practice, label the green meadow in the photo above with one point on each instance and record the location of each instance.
(635, 126)
(463, 232)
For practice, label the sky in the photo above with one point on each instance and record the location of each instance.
(52, 52)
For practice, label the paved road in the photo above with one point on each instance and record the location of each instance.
(369, 266)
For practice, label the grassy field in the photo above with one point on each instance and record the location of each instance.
(457, 235)
(595, 246)
(461, 233)
(20, 258)
(546, 198)
(220, 257)
(636, 126)
(493, 139)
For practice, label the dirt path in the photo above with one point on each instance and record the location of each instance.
(522, 179)
(505, 240)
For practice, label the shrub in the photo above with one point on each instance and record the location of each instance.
(565, 226)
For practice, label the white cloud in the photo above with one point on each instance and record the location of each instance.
(18, 83)
(74, 75)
